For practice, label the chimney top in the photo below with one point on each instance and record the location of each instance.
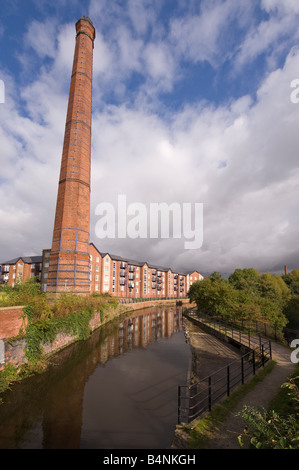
(82, 28)
(86, 18)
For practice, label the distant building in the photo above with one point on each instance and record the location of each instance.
(17, 270)
(108, 273)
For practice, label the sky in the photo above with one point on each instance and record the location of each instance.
(195, 102)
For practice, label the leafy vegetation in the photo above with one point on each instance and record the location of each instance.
(69, 314)
(20, 294)
(276, 428)
(246, 294)
(291, 309)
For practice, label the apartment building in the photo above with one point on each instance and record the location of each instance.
(17, 270)
(124, 277)
(109, 273)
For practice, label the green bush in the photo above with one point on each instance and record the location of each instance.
(274, 429)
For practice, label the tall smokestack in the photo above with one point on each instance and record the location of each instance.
(69, 258)
(285, 270)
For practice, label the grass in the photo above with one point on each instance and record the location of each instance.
(201, 434)
(282, 403)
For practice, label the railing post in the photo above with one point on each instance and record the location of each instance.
(210, 393)
(228, 384)
(179, 404)
(270, 348)
(253, 362)
(242, 369)
(263, 358)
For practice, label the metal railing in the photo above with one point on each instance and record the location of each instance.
(194, 399)
(131, 300)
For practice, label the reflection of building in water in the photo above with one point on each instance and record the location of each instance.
(139, 331)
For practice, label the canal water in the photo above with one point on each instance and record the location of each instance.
(116, 390)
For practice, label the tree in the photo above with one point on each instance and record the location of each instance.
(246, 294)
(292, 281)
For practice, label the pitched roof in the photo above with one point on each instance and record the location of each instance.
(25, 259)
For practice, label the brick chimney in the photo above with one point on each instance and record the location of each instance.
(69, 258)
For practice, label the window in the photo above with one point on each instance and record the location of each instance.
(98, 259)
(96, 287)
(97, 277)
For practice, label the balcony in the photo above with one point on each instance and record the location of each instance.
(123, 265)
(131, 269)
(131, 277)
(122, 282)
(122, 273)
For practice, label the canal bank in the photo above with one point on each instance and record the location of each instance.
(221, 428)
(13, 322)
(115, 390)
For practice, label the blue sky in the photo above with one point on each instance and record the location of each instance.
(191, 103)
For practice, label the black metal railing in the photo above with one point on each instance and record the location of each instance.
(194, 399)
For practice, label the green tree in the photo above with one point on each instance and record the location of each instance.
(292, 281)
(246, 294)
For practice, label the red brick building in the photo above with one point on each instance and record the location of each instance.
(124, 277)
(108, 273)
(17, 270)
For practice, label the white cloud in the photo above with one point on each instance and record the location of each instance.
(239, 159)
(41, 37)
(200, 37)
(289, 6)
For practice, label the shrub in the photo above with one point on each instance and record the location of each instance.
(273, 429)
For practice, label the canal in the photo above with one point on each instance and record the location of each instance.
(116, 390)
